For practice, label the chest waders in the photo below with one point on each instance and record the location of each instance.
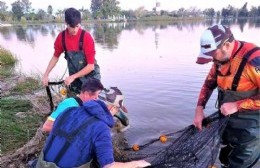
(69, 137)
(241, 135)
(76, 61)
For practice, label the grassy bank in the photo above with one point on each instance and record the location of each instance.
(6, 57)
(17, 124)
(19, 119)
(7, 62)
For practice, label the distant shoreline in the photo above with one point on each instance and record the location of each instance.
(143, 19)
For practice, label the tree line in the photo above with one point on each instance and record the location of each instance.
(21, 10)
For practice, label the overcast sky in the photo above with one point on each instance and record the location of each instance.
(148, 4)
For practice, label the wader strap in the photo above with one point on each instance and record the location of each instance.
(81, 39)
(79, 101)
(56, 131)
(241, 68)
(63, 41)
(70, 137)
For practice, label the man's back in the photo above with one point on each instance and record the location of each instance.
(77, 133)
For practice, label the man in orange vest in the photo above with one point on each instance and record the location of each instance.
(236, 73)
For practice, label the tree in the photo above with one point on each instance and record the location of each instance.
(253, 12)
(95, 7)
(49, 10)
(139, 12)
(243, 12)
(181, 12)
(104, 8)
(210, 12)
(110, 8)
(129, 14)
(3, 7)
(3, 11)
(230, 11)
(40, 15)
(26, 6)
(85, 13)
(17, 9)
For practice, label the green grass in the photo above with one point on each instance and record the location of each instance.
(7, 62)
(6, 71)
(6, 57)
(16, 131)
(28, 85)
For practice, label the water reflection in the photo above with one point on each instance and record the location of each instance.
(107, 34)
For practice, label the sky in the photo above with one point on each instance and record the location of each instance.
(169, 5)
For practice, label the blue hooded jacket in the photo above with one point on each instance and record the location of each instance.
(93, 140)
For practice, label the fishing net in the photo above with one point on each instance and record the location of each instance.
(187, 148)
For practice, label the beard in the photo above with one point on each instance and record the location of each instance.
(225, 59)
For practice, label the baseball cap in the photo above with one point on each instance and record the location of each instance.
(114, 96)
(212, 39)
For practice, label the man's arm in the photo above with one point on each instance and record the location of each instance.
(47, 126)
(86, 70)
(132, 164)
(209, 85)
(104, 150)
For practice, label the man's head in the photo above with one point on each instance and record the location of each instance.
(90, 89)
(73, 20)
(114, 99)
(216, 44)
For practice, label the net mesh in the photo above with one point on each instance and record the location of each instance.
(182, 149)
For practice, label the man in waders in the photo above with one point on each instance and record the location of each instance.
(79, 49)
(90, 90)
(236, 73)
(81, 135)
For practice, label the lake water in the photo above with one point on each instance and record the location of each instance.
(152, 63)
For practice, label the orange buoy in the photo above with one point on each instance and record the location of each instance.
(63, 91)
(213, 166)
(135, 147)
(163, 138)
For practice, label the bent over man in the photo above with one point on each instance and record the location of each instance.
(236, 73)
(82, 134)
(79, 49)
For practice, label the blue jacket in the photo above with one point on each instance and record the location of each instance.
(92, 141)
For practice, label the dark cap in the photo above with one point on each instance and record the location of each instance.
(212, 39)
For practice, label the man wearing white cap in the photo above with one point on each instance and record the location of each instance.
(81, 135)
(236, 73)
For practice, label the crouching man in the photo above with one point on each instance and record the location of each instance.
(82, 134)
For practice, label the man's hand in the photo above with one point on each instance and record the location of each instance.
(199, 116)
(142, 163)
(69, 80)
(45, 80)
(229, 108)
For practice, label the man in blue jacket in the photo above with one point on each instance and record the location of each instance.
(82, 134)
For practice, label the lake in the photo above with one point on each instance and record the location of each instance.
(152, 63)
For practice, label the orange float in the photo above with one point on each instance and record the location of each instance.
(63, 91)
(163, 138)
(135, 147)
